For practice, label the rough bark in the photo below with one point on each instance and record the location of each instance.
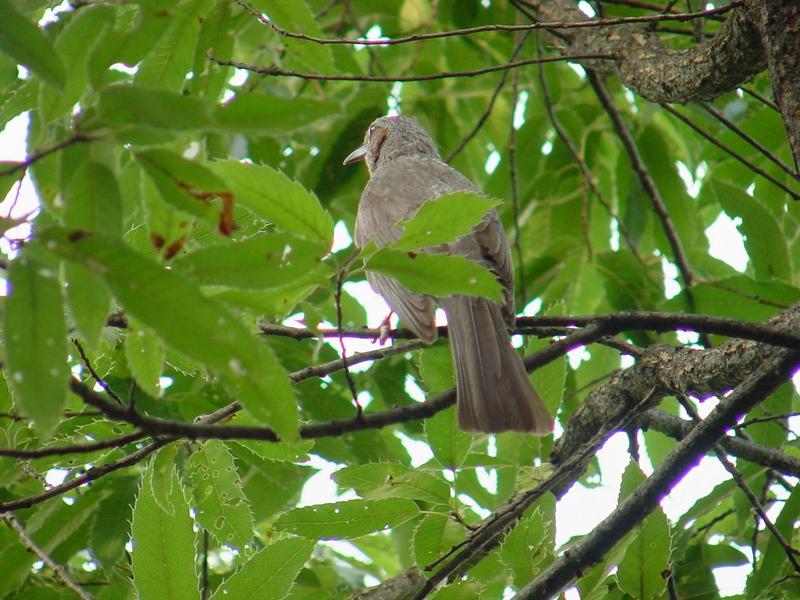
(780, 20)
(730, 58)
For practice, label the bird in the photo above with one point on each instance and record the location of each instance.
(493, 391)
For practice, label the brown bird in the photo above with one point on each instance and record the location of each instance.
(494, 392)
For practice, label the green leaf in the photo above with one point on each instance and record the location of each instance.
(391, 480)
(125, 106)
(434, 535)
(449, 444)
(268, 574)
(190, 187)
(145, 354)
(296, 15)
(168, 62)
(26, 44)
(763, 238)
(443, 220)
(647, 555)
(35, 343)
(163, 476)
(348, 519)
(260, 113)
(111, 527)
(774, 560)
(529, 546)
(436, 274)
(267, 260)
(221, 506)
(205, 331)
(274, 197)
(163, 556)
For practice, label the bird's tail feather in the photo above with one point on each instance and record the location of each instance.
(494, 391)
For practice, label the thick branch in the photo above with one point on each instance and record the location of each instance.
(781, 22)
(762, 382)
(733, 56)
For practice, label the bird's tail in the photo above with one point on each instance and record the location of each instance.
(494, 391)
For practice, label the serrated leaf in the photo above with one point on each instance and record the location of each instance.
(392, 480)
(145, 354)
(529, 544)
(257, 113)
(111, 527)
(763, 238)
(443, 220)
(268, 574)
(35, 343)
(296, 15)
(124, 106)
(162, 477)
(25, 43)
(348, 519)
(647, 554)
(267, 260)
(436, 274)
(221, 506)
(190, 187)
(449, 444)
(206, 332)
(274, 197)
(168, 62)
(434, 535)
(163, 556)
(774, 557)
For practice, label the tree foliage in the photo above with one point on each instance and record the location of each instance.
(160, 421)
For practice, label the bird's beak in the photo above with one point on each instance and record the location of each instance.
(356, 155)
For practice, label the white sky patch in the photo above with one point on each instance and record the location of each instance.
(631, 101)
(687, 337)
(726, 243)
(586, 8)
(395, 98)
(577, 356)
(419, 452)
(579, 70)
(692, 181)
(547, 147)
(519, 109)
(486, 3)
(579, 512)
(373, 33)
(341, 237)
(492, 160)
(56, 476)
(613, 239)
(412, 388)
(532, 308)
(51, 14)
(750, 189)
(671, 286)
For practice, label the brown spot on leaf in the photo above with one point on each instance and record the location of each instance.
(77, 234)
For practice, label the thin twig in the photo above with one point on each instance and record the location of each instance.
(278, 72)
(36, 156)
(88, 364)
(791, 552)
(763, 99)
(750, 140)
(730, 151)
(337, 296)
(512, 173)
(419, 37)
(60, 572)
(644, 177)
(117, 442)
(490, 106)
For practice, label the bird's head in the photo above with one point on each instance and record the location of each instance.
(392, 137)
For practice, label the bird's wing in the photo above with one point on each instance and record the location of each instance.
(496, 255)
(394, 193)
